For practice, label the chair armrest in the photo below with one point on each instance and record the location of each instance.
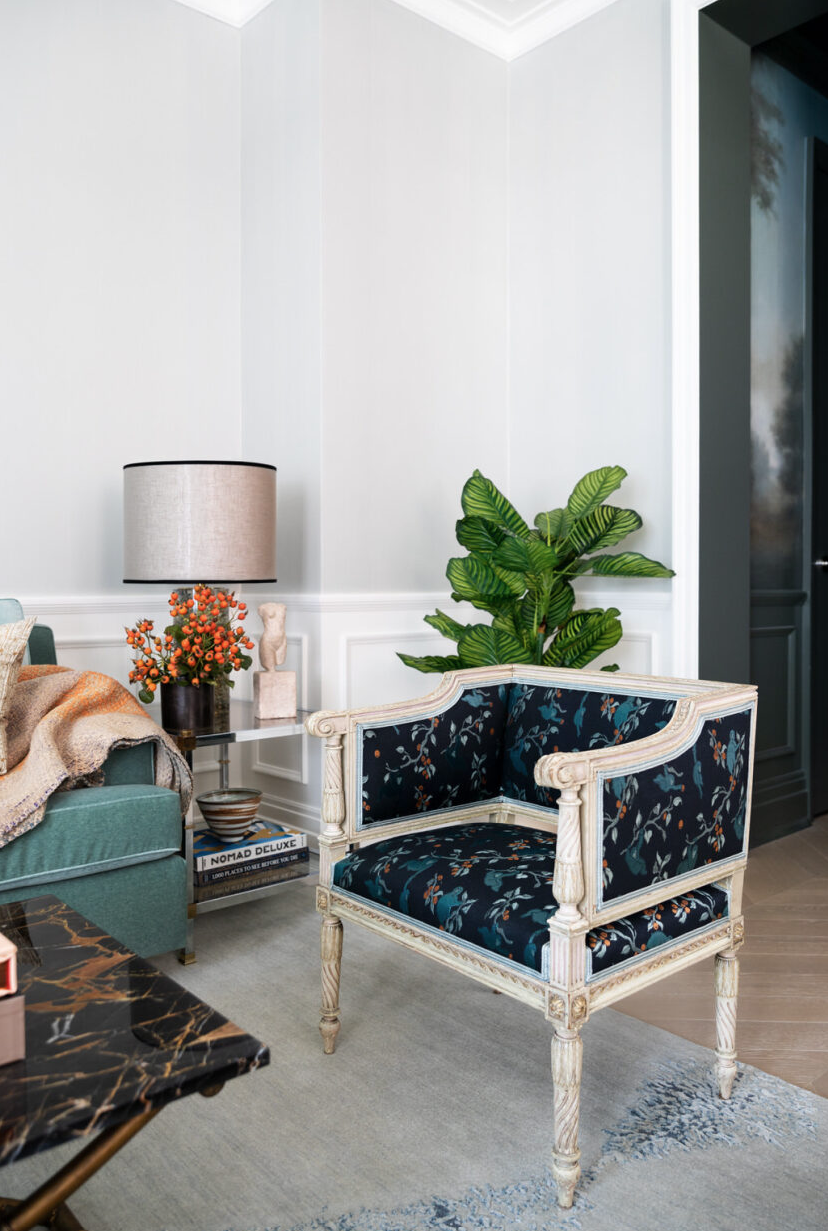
(127, 766)
(661, 814)
(42, 646)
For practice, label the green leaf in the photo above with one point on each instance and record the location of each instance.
(525, 556)
(146, 696)
(593, 489)
(445, 625)
(507, 621)
(431, 662)
(628, 564)
(553, 525)
(481, 498)
(483, 646)
(584, 636)
(491, 604)
(471, 577)
(561, 602)
(477, 534)
(610, 667)
(603, 527)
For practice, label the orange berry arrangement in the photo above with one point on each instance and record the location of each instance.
(204, 644)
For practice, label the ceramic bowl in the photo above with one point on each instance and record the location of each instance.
(229, 813)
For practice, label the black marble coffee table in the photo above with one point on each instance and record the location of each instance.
(109, 1042)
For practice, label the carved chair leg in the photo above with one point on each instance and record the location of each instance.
(331, 965)
(567, 1053)
(727, 987)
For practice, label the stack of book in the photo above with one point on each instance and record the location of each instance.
(266, 855)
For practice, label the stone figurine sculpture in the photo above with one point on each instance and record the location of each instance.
(274, 691)
(273, 641)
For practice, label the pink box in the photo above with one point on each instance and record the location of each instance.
(12, 1029)
(8, 967)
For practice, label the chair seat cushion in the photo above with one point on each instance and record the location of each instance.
(93, 829)
(490, 886)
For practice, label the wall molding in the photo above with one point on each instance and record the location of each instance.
(684, 177)
(506, 32)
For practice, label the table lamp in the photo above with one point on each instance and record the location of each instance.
(190, 523)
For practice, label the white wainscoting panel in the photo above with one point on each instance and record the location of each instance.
(344, 650)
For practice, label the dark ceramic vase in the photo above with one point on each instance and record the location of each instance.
(187, 709)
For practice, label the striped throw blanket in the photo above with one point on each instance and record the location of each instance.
(62, 725)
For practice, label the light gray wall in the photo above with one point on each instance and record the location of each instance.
(589, 211)
(414, 282)
(119, 269)
(280, 249)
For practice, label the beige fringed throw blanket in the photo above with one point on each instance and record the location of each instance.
(62, 725)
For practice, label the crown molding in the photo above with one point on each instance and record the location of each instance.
(232, 12)
(485, 23)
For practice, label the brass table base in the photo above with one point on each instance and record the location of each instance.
(45, 1206)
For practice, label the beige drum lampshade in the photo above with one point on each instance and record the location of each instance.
(192, 522)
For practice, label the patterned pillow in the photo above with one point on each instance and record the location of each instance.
(13, 641)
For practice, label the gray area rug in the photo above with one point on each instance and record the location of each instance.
(436, 1111)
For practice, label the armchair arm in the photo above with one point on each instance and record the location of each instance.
(42, 645)
(664, 813)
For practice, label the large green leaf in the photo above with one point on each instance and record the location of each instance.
(491, 604)
(628, 564)
(584, 636)
(525, 556)
(481, 498)
(445, 625)
(477, 534)
(561, 602)
(431, 662)
(471, 577)
(593, 489)
(552, 525)
(484, 646)
(507, 621)
(603, 527)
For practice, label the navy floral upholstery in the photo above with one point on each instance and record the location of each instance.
(490, 885)
(663, 822)
(485, 745)
(646, 929)
(443, 761)
(542, 720)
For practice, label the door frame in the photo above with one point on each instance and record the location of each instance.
(685, 307)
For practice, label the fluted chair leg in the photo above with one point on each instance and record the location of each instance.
(567, 1055)
(727, 988)
(331, 966)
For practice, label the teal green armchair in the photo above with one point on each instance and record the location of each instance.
(111, 852)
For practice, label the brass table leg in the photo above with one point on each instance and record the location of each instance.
(44, 1207)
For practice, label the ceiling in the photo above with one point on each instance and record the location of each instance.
(507, 28)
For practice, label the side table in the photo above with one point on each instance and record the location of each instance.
(110, 1041)
(240, 726)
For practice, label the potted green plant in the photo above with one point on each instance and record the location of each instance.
(522, 576)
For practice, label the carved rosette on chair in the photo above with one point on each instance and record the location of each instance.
(565, 837)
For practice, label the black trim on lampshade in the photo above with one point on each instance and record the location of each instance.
(186, 461)
(199, 581)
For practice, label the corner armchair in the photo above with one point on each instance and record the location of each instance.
(565, 837)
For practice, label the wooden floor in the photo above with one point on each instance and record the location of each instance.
(782, 1024)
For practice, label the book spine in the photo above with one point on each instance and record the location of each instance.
(246, 854)
(239, 884)
(215, 875)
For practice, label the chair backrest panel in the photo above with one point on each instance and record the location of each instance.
(484, 745)
(543, 719)
(433, 762)
(663, 822)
